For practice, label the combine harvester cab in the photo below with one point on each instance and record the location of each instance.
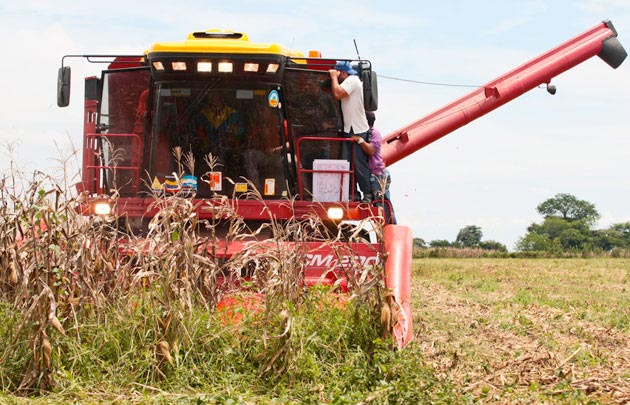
(221, 122)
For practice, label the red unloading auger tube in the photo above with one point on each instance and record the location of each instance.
(600, 40)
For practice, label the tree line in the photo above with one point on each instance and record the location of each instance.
(567, 228)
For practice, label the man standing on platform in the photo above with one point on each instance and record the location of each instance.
(347, 87)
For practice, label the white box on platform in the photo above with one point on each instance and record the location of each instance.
(330, 187)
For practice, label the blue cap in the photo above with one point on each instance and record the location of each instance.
(344, 66)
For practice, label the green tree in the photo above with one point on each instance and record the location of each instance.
(572, 239)
(419, 243)
(556, 234)
(492, 245)
(567, 226)
(469, 236)
(569, 208)
(608, 239)
(623, 230)
(440, 243)
(534, 242)
(553, 227)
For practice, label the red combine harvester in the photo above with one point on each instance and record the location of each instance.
(266, 116)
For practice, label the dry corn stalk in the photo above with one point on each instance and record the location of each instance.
(164, 351)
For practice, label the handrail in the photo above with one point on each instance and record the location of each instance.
(135, 158)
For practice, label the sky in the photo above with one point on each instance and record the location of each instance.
(492, 173)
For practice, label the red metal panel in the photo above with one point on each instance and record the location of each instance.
(325, 263)
(123, 62)
(251, 209)
(399, 246)
(89, 158)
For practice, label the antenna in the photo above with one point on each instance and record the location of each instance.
(292, 44)
(357, 48)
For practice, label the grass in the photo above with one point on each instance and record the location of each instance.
(593, 289)
(223, 364)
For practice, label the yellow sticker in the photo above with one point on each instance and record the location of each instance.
(240, 187)
(270, 186)
(156, 185)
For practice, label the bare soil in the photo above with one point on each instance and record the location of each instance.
(510, 353)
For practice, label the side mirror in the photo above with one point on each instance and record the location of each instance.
(63, 86)
(370, 90)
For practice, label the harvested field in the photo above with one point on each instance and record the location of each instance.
(532, 331)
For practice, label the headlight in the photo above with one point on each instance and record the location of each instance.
(102, 208)
(203, 66)
(178, 65)
(225, 67)
(335, 213)
(250, 67)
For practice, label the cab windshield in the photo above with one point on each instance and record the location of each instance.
(213, 138)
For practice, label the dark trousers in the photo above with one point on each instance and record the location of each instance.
(380, 191)
(360, 165)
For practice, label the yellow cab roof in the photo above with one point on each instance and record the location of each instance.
(197, 42)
